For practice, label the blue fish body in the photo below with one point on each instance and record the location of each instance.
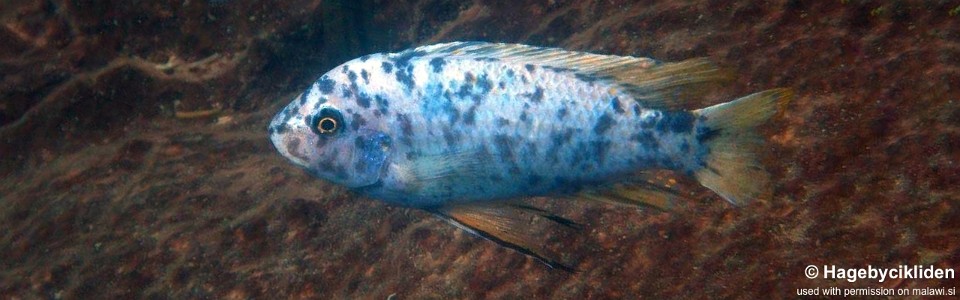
(467, 122)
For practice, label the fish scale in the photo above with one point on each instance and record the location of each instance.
(452, 127)
(456, 105)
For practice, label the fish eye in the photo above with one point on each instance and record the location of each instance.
(326, 122)
(327, 125)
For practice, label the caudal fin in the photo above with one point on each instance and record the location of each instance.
(732, 169)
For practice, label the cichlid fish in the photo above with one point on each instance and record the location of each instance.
(465, 129)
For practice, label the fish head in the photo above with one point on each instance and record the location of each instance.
(318, 133)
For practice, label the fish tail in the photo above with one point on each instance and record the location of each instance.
(728, 133)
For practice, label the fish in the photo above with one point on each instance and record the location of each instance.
(469, 131)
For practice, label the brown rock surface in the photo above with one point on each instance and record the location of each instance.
(135, 160)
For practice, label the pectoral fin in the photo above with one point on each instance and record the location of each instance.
(518, 227)
(428, 173)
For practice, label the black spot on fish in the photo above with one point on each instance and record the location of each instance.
(346, 92)
(581, 156)
(403, 58)
(303, 98)
(600, 150)
(358, 121)
(484, 84)
(502, 85)
(676, 122)
(453, 115)
(365, 75)
(363, 100)
(352, 76)
(406, 129)
(405, 126)
(387, 67)
(345, 69)
(502, 122)
(322, 100)
(561, 138)
(537, 95)
(365, 57)
(646, 139)
(524, 79)
(360, 143)
(615, 105)
(465, 90)
(405, 77)
(648, 123)
(529, 67)
(636, 109)
(561, 113)
(437, 64)
(523, 117)
(470, 117)
(450, 137)
(477, 99)
(504, 145)
(325, 85)
(278, 129)
(382, 103)
(603, 124)
(468, 77)
(287, 115)
(510, 73)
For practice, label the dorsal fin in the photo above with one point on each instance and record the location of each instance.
(658, 85)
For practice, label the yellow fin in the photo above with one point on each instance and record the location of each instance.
(657, 85)
(732, 169)
(518, 227)
(661, 189)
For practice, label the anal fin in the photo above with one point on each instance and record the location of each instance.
(661, 189)
(518, 227)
